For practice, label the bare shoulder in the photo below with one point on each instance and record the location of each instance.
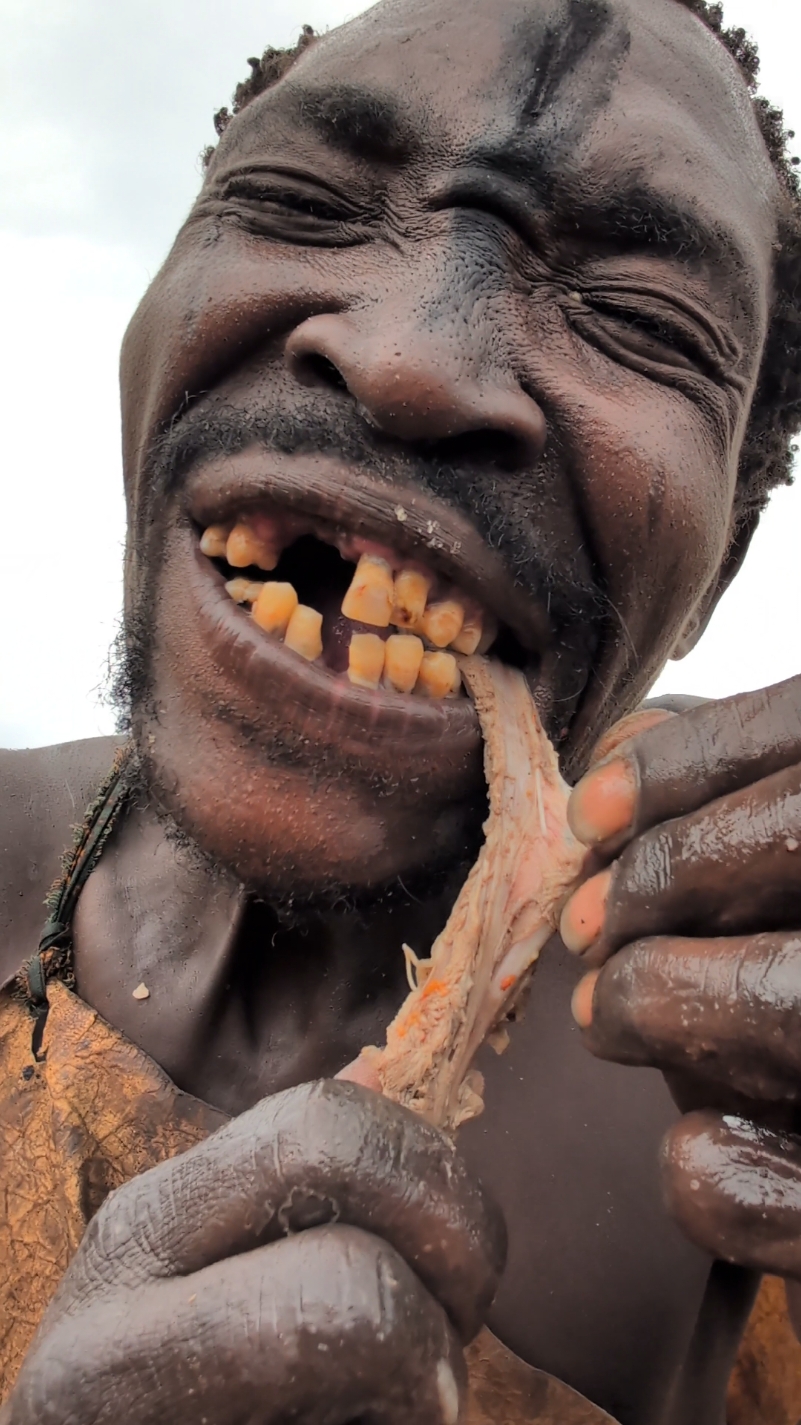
(44, 792)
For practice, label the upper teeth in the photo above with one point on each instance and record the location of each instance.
(412, 588)
(245, 547)
(371, 596)
(380, 594)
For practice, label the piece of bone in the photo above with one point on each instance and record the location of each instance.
(371, 594)
(402, 659)
(243, 591)
(244, 547)
(213, 540)
(304, 632)
(442, 622)
(439, 676)
(365, 659)
(412, 588)
(506, 911)
(274, 607)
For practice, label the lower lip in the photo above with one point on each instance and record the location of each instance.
(317, 704)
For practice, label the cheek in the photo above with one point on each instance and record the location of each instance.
(215, 301)
(655, 478)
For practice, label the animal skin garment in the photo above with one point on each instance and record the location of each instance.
(93, 1111)
(89, 1110)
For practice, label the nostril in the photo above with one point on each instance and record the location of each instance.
(313, 369)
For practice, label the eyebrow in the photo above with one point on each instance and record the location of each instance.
(636, 216)
(366, 123)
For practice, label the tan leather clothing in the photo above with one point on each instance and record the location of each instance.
(91, 1111)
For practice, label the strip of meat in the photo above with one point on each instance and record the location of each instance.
(504, 914)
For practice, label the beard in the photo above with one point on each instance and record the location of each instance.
(502, 505)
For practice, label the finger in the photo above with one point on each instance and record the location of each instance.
(735, 1189)
(627, 728)
(323, 1152)
(726, 1008)
(685, 762)
(730, 868)
(322, 1329)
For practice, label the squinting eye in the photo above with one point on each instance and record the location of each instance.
(644, 337)
(289, 200)
(651, 333)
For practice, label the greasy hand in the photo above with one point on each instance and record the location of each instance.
(322, 1259)
(696, 923)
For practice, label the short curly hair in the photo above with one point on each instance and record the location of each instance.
(767, 455)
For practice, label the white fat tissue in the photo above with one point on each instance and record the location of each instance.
(506, 911)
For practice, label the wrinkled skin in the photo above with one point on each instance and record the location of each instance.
(700, 956)
(455, 299)
(475, 319)
(168, 1293)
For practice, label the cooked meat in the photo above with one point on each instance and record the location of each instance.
(505, 912)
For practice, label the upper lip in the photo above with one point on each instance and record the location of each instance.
(408, 519)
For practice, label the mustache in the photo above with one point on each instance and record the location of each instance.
(461, 472)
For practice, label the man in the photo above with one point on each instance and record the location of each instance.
(502, 297)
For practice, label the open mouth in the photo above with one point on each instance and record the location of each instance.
(368, 614)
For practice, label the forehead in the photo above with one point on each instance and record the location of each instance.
(584, 99)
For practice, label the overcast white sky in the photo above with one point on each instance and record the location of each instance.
(105, 106)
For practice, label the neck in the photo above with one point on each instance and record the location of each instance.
(244, 999)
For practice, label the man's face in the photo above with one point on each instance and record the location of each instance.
(479, 286)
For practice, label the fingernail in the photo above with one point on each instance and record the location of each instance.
(603, 803)
(583, 995)
(583, 916)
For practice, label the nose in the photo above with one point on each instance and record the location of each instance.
(415, 385)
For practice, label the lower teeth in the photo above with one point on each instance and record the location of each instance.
(376, 596)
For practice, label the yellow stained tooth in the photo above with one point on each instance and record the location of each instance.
(274, 607)
(478, 633)
(469, 636)
(243, 591)
(371, 594)
(304, 632)
(213, 540)
(404, 654)
(442, 622)
(244, 548)
(439, 676)
(412, 589)
(366, 660)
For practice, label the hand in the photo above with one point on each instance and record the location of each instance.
(694, 927)
(322, 1258)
